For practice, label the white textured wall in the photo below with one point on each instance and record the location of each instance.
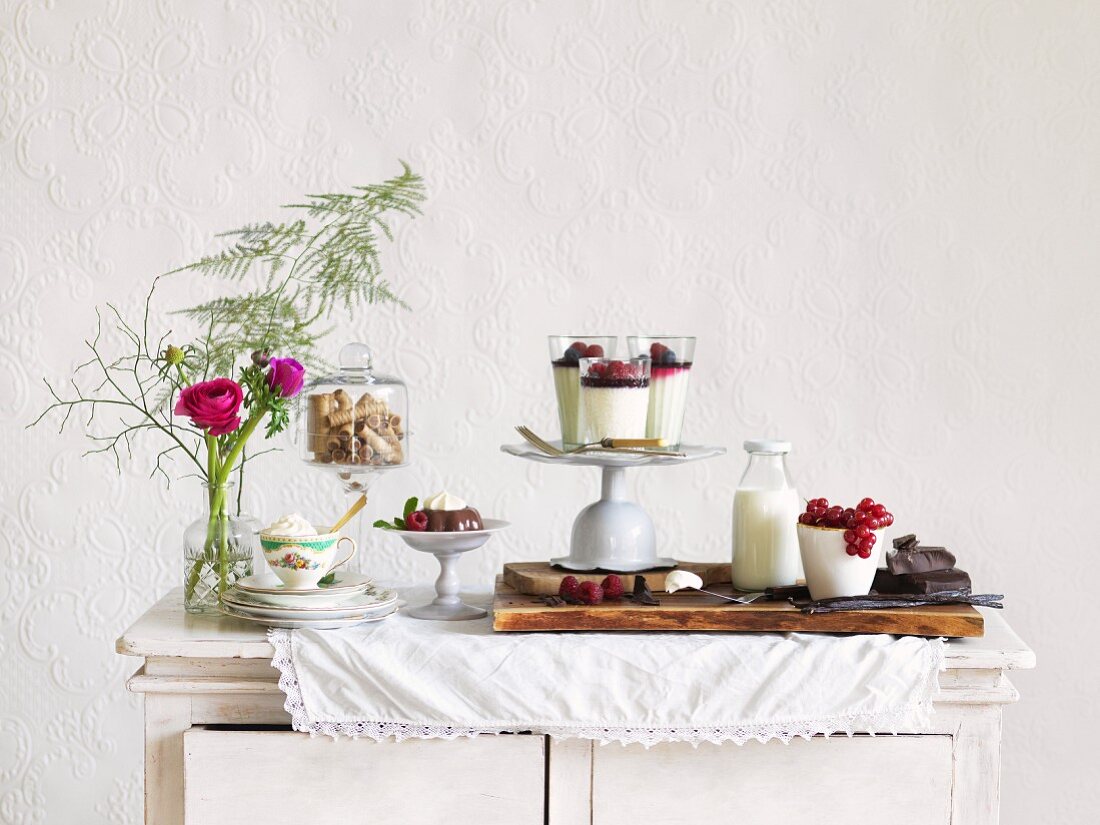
(879, 218)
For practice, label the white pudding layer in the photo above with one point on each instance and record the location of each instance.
(567, 385)
(668, 387)
(614, 412)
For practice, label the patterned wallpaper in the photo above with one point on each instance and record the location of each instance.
(878, 217)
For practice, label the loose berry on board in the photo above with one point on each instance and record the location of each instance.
(612, 588)
(590, 593)
(569, 588)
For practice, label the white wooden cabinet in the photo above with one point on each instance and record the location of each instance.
(218, 750)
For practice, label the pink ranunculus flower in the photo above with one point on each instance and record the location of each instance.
(287, 375)
(213, 406)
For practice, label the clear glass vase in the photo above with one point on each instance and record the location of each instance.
(217, 550)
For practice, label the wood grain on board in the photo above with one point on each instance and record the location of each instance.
(691, 610)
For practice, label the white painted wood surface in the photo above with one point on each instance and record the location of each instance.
(278, 778)
(901, 780)
(217, 671)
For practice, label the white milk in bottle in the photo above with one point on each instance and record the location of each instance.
(765, 512)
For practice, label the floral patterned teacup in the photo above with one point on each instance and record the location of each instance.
(302, 561)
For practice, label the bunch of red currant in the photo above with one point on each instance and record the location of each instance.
(858, 523)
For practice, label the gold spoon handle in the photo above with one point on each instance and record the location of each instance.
(634, 442)
(350, 514)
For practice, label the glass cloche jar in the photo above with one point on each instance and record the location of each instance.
(354, 422)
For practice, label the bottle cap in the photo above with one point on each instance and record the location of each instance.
(763, 445)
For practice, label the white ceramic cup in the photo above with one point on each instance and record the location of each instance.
(830, 571)
(302, 561)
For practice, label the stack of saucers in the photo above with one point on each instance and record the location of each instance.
(350, 599)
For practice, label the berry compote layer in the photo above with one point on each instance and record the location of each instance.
(615, 399)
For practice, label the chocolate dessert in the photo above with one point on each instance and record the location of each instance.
(453, 521)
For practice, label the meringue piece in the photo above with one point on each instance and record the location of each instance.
(682, 579)
(444, 501)
(292, 526)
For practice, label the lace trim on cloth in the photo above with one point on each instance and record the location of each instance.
(915, 714)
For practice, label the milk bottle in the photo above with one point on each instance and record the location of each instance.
(765, 512)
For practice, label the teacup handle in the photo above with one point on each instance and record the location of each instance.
(346, 558)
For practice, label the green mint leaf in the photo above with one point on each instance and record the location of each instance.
(384, 525)
(399, 523)
(410, 506)
(326, 580)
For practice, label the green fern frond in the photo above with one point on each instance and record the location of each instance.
(312, 267)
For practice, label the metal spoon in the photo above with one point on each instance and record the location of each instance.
(685, 580)
(747, 598)
(360, 503)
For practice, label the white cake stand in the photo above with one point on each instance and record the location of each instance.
(447, 547)
(613, 533)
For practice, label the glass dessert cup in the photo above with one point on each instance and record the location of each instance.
(614, 397)
(565, 354)
(671, 357)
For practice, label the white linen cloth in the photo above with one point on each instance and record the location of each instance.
(405, 677)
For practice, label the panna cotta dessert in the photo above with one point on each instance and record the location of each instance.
(614, 397)
(447, 513)
(671, 358)
(566, 352)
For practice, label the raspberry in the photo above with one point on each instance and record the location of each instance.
(612, 588)
(569, 589)
(590, 593)
(656, 350)
(597, 370)
(417, 521)
(579, 346)
(594, 351)
(618, 369)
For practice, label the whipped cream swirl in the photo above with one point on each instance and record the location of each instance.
(293, 525)
(444, 501)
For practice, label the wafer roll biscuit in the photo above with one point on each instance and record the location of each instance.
(380, 447)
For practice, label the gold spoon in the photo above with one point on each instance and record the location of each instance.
(360, 503)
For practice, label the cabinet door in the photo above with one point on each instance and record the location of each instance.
(277, 777)
(903, 780)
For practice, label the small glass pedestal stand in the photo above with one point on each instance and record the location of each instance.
(613, 533)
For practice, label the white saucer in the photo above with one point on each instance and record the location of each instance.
(308, 624)
(454, 541)
(345, 586)
(372, 602)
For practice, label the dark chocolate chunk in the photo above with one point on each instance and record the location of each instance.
(887, 582)
(936, 581)
(920, 584)
(642, 594)
(919, 560)
(908, 541)
(553, 601)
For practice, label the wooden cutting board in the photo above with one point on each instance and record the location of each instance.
(538, 578)
(691, 610)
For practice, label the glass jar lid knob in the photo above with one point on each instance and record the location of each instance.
(355, 357)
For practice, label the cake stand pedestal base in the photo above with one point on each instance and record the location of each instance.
(614, 534)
